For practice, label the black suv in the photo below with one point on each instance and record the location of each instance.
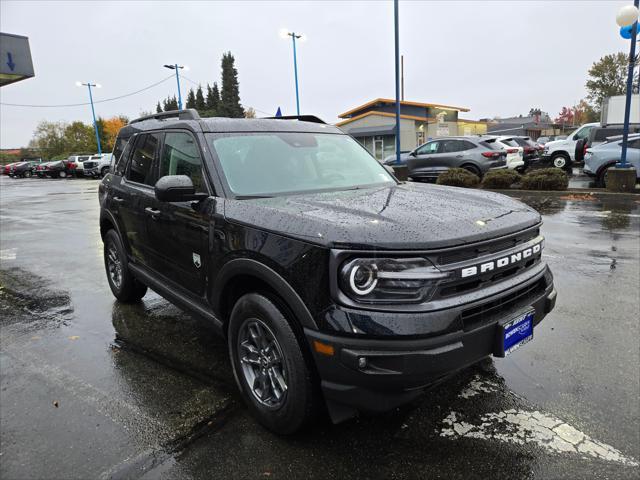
(332, 281)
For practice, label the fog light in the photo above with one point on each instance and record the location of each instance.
(362, 362)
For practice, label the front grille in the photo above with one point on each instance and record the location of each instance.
(90, 164)
(471, 317)
(462, 254)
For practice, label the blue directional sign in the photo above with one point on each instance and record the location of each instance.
(15, 58)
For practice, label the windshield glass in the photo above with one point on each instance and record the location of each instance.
(265, 164)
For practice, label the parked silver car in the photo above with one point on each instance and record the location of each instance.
(475, 154)
(599, 159)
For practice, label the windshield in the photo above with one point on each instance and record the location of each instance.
(264, 164)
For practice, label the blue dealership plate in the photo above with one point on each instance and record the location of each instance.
(515, 333)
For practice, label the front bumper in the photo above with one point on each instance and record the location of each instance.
(398, 369)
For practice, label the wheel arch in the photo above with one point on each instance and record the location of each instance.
(242, 275)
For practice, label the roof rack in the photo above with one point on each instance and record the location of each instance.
(301, 118)
(187, 114)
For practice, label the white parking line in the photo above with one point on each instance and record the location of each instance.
(8, 254)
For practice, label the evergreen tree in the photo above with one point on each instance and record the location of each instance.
(230, 97)
(171, 103)
(201, 105)
(158, 108)
(191, 99)
(213, 99)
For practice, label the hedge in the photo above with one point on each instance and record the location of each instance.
(458, 177)
(545, 179)
(500, 179)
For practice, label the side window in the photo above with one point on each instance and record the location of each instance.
(467, 145)
(450, 146)
(428, 148)
(181, 156)
(634, 143)
(144, 153)
(584, 133)
(123, 155)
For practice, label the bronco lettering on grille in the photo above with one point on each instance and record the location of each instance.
(501, 262)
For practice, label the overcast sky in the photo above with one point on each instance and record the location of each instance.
(496, 58)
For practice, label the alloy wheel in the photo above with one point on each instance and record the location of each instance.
(114, 265)
(262, 363)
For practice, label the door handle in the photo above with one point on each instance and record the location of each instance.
(118, 199)
(153, 213)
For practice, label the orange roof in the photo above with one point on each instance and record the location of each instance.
(402, 102)
(384, 114)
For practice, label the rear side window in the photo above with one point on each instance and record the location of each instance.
(181, 156)
(118, 148)
(144, 153)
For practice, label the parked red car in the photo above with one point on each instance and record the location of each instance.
(7, 168)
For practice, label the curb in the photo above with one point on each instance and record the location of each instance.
(584, 192)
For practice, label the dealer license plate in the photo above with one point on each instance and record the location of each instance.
(515, 333)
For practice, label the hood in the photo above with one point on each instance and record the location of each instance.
(404, 216)
(556, 143)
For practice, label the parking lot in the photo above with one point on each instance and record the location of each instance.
(92, 388)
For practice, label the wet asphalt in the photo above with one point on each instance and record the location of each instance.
(90, 388)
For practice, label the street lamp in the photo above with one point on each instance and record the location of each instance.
(93, 112)
(177, 68)
(284, 33)
(628, 15)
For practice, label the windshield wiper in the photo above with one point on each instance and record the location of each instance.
(247, 197)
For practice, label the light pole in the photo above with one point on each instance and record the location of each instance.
(397, 45)
(177, 68)
(285, 33)
(93, 112)
(628, 15)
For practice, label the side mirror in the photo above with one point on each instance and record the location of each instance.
(413, 153)
(177, 188)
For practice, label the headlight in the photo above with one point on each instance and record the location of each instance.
(390, 280)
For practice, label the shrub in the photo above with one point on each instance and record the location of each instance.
(545, 179)
(500, 178)
(458, 177)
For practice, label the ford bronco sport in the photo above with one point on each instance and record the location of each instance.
(333, 283)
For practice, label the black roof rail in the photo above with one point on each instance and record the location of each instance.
(301, 118)
(187, 114)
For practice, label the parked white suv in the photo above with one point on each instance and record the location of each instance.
(561, 153)
(97, 165)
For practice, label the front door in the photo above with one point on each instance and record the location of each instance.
(177, 233)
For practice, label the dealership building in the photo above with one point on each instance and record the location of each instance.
(373, 124)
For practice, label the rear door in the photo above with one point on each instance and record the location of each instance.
(178, 232)
(455, 153)
(134, 192)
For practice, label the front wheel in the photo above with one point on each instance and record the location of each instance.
(269, 365)
(62, 174)
(104, 172)
(561, 160)
(123, 284)
(602, 176)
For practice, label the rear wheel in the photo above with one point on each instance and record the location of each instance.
(473, 169)
(27, 174)
(269, 365)
(62, 174)
(124, 286)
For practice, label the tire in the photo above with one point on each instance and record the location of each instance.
(268, 361)
(104, 172)
(473, 169)
(62, 174)
(602, 176)
(561, 160)
(27, 174)
(122, 283)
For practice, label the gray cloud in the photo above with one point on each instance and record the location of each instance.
(497, 58)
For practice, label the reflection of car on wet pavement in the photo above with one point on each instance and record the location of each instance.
(599, 159)
(377, 305)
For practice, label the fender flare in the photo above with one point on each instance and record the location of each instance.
(106, 214)
(246, 266)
